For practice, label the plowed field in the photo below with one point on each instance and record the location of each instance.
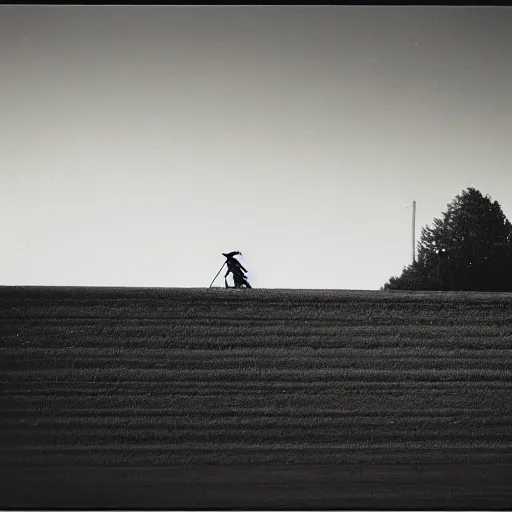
(204, 398)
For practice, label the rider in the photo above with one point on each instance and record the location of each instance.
(235, 268)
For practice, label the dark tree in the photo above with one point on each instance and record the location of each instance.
(469, 248)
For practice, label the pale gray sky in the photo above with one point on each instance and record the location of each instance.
(138, 143)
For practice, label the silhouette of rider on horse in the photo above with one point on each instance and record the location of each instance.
(237, 269)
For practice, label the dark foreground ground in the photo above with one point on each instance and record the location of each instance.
(253, 399)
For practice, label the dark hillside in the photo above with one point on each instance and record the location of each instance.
(180, 398)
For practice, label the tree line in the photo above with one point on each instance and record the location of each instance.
(468, 248)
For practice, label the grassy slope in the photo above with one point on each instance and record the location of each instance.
(156, 378)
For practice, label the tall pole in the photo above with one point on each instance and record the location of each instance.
(413, 231)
